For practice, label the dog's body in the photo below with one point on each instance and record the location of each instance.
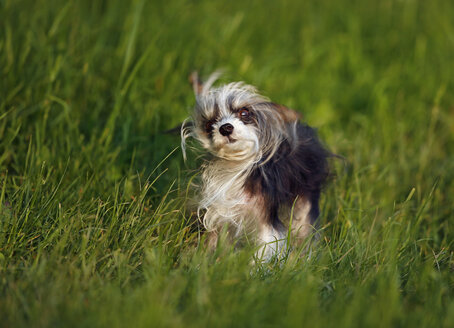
(267, 168)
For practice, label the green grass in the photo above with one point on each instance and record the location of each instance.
(95, 221)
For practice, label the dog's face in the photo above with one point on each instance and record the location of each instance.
(235, 123)
(227, 123)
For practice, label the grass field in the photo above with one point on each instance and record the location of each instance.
(95, 221)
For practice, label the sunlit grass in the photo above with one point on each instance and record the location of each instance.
(97, 226)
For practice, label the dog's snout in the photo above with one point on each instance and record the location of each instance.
(226, 129)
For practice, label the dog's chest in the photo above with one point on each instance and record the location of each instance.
(238, 207)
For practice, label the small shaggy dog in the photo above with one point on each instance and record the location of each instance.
(266, 169)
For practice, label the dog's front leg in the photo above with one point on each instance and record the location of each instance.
(273, 242)
(211, 240)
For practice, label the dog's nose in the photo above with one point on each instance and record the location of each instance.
(226, 129)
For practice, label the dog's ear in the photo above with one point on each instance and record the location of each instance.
(197, 84)
(288, 115)
(177, 129)
(203, 87)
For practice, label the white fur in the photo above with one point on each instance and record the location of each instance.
(274, 244)
(223, 196)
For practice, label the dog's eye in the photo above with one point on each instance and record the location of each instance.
(209, 126)
(244, 112)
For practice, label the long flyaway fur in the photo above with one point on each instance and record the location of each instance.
(264, 163)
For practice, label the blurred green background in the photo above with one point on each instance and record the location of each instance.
(95, 221)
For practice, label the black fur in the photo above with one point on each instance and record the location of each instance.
(290, 173)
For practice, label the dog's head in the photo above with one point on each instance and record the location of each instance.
(235, 123)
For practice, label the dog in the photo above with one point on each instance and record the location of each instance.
(265, 169)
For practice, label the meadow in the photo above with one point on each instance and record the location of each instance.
(97, 227)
